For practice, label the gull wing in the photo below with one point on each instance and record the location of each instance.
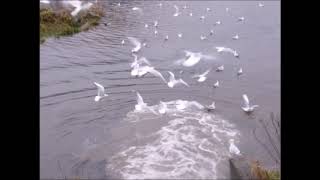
(183, 82)
(156, 73)
(139, 99)
(100, 89)
(145, 60)
(206, 72)
(135, 41)
(171, 78)
(246, 100)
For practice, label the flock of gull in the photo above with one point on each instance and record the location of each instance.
(141, 66)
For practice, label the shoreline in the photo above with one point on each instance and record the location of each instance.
(58, 23)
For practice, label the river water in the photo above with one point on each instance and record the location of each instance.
(109, 139)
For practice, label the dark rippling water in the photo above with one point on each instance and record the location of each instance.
(82, 138)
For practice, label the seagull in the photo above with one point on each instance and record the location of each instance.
(101, 92)
(211, 32)
(225, 49)
(148, 69)
(233, 148)
(185, 7)
(136, 9)
(261, 5)
(239, 72)
(235, 37)
(160, 4)
(140, 104)
(211, 106)
(146, 26)
(193, 58)
(45, 1)
(190, 14)
(78, 6)
(216, 84)
(166, 38)
(220, 68)
(172, 81)
(247, 107)
(162, 107)
(218, 23)
(202, 17)
(119, 4)
(180, 35)
(208, 9)
(177, 13)
(135, 42)
(139, 61)
(144, 44)
(155, 23)
(107, 24)
(241, 18)
(122, 42)
(202, 77)
(155, 32)
(203, 37)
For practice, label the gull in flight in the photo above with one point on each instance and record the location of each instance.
(139, 61)
(261, 5)
(101, 92)
(146, 26)
(225, 49)
(155, 32)
(211, 107)
(211, 32)
(162, 108)
(216, 84)
(190, 14)
(247, 107)
(218, 23)
(142, 70)
(193, 58)
(180, 35)
(202, 77)
(202, 17)
(239, 72)
(208, 9)
(119, 4)
(78, 6)
(172, 81)
(203, 37)
(160, 4)
(122, 42)
(166, 38)
(45, 1)
(236, 37)
(241, 18)
(136, 43)
(220, 68)
(233, 148)
(177, 13)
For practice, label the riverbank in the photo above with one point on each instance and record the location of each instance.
(61, 23)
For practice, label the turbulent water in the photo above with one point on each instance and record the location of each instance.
(110, 139)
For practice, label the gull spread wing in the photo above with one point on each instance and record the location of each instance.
(246, 100)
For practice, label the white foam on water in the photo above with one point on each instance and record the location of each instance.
(190, 145)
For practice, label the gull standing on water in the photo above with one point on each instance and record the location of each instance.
(101, 92)
(239, 72)
(155, 24)
(220, 68)
(190, 14)
(135, 42)
(218, 23)
(208, 9)
(236, 37)
(211, 107)
(241, 18)
(233, 148)
(247, 107)
(211, 32)
(122, 42)
(202, 17)
(202, 77)
(166, 38)
(203, 37)
(172, 81)
(261, 5)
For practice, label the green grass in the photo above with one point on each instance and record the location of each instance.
(56, 24)
(274, 175)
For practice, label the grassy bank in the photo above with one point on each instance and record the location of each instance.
(260, 173)
(56, 24)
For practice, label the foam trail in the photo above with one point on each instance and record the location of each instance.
(191, 145)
